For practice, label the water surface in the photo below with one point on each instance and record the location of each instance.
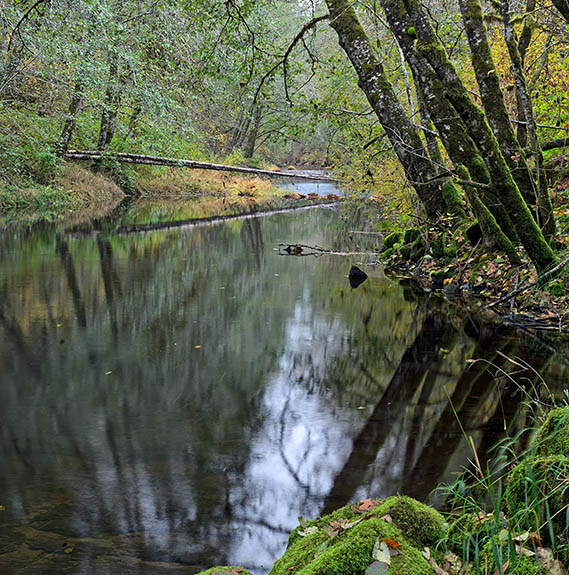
(174, 399)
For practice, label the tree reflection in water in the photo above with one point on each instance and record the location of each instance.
(175, 399)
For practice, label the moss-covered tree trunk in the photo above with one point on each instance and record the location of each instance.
(544, 207)
(503, 183)
(110, 103)
(401, 131)
(71, 116)
(493, 97)
(460, 147)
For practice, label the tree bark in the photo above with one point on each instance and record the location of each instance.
(253, 132)
(110, 103)
(71, 117)
(544, 207)
(401, 131)
(493, 98)
(504, 185)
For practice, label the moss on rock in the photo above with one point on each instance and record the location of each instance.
(411, 235)
(537, 492)
(312, 551)
(391, 239)
(421, 524)
(553, 436)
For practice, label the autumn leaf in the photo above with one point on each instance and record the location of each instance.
(391, 543)
(366, 505)
(387, 518)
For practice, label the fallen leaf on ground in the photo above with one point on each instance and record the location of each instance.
(391, 543)
(366, 505)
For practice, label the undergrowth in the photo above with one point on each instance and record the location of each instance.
(511, 515)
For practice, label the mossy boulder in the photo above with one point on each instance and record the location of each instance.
(226, 570)
(411, 235)
(437, 248)
(391, 240)
(553, 436)
(312, 550)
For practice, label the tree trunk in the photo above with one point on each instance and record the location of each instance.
(493, 98)
(71, 117)
(110, 103)
(544, 207)
(504, 185)
(253, 132)
(401, 131)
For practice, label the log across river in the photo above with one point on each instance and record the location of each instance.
(192, 164)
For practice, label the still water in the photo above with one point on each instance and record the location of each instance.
(173, 399)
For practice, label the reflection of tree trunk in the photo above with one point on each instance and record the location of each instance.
(67, 262)
(417, 360)
(252, 226)
(106, 255)
(461, 413)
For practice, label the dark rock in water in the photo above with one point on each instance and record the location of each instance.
(356, 276)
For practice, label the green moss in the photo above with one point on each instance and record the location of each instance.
(391, 239)
(553, 436)
(411, 235)
(453, 200)
(497, 553)
(421, 524)
(350, 551)
(225, 570)
(437, 248)
(537, 495)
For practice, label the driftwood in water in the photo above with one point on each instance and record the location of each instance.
(179, 163)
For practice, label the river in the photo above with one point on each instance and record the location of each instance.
(173, 399)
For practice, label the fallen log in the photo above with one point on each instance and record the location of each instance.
(180, 163)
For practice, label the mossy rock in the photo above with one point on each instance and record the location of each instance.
(406, 252)
(312, 551)
(391, 239)
(450, 251)
(437, 248)
(411, 235)
(226, 570)
(553, 436)
(538, 489)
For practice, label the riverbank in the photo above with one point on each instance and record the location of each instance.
(75, 188)
(511, 519)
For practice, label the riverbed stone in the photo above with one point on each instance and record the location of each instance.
(322, 547)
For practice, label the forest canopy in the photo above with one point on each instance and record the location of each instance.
(467, 99)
